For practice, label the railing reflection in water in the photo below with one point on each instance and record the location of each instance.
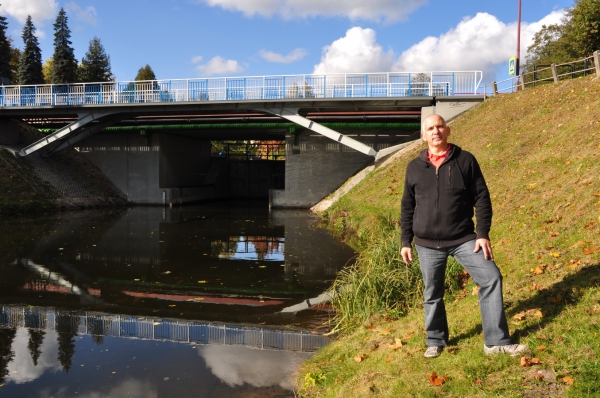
(124, 326)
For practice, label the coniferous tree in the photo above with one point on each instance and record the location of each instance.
(64, 67)
(95, 65)
(5, 70)
(145, 73)
(6, 353)
(30, 63)
(36, 338)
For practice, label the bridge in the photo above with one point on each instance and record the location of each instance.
(361, 116)
(132, 327)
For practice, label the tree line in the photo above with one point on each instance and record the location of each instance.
(25, 66)
(576, 36)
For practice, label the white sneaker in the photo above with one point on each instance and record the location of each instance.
(433, 352)
(511, 349)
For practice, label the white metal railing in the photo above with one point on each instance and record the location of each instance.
(350, 85)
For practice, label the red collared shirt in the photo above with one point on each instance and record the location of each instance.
(437, 160)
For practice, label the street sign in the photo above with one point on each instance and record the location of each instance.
(512, 65)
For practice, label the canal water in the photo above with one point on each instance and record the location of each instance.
(216, 300)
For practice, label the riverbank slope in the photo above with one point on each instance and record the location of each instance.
(539, 150)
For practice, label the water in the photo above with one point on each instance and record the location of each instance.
(215, 300)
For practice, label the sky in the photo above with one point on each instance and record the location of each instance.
(184, 39)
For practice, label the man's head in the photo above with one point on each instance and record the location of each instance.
(435, 132)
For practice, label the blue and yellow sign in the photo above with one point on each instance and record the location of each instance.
(512, 65)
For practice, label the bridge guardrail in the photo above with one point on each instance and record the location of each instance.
(366, 85)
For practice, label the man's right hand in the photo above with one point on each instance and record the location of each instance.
(406, 253)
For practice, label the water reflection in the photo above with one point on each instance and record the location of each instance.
(126, 288)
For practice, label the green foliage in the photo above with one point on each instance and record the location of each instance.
(15, 56)
(145, 73)
(64, 67)
(576, 36)
(95, 65)
(5, 70)
(30, 63)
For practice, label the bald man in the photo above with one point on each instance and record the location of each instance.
(442, 188)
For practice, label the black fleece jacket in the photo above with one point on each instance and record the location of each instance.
(437, 205)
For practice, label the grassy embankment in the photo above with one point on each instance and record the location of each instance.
(540, 152)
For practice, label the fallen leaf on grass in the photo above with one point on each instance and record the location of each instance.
(558, 299)
(360, 357)
(555, 255)
(475, 291)
(539, 377)
(478, 382)
(408, 335)
(577, 244)
(568, 380)
(525, 362)
(534, 312)
(397, 345)
(554, 234)
(388, 359)
(371, 326)
(590, 224)
(435, 380)
(590, 250)
(385, 332)
(573, 263)
(541, 348)
(538, 270)
(535, 286)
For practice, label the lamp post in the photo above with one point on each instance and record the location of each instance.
(517, 72)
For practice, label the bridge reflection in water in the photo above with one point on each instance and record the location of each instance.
(132, 327)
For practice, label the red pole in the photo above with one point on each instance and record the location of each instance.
(518, 40)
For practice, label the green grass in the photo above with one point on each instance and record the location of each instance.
(539, 150)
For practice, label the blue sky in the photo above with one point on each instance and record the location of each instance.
(205, 38)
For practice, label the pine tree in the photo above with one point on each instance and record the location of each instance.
(145, 73)
(64, 67)
(95, 65)
(30, 63)
(5, 70)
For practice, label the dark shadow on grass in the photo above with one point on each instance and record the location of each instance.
(544, 299)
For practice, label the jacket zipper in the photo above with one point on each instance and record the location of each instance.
(437, 207)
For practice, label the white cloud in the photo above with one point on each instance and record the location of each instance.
(88, 15)
(40, 10)
(358, 51)
(197, 58)
(220, 66)
(293, 56)
(479, 43)
(374, 10)
(21, 368)
(238, 365)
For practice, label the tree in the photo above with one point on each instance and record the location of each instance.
(95, 65)
(5, 70)
(64, 67)
(145, 73)
(15, 56)
(30, 63)
(47, 70)
(576, 36)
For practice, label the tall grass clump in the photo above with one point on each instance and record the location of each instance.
(380, 282)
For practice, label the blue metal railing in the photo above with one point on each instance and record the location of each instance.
(365, 85)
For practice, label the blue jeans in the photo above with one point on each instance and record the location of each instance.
(485, 274)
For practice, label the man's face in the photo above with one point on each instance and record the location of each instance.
(436, 132)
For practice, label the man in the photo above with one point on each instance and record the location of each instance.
(441, 188)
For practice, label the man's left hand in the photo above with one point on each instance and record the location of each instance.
(486, 246)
